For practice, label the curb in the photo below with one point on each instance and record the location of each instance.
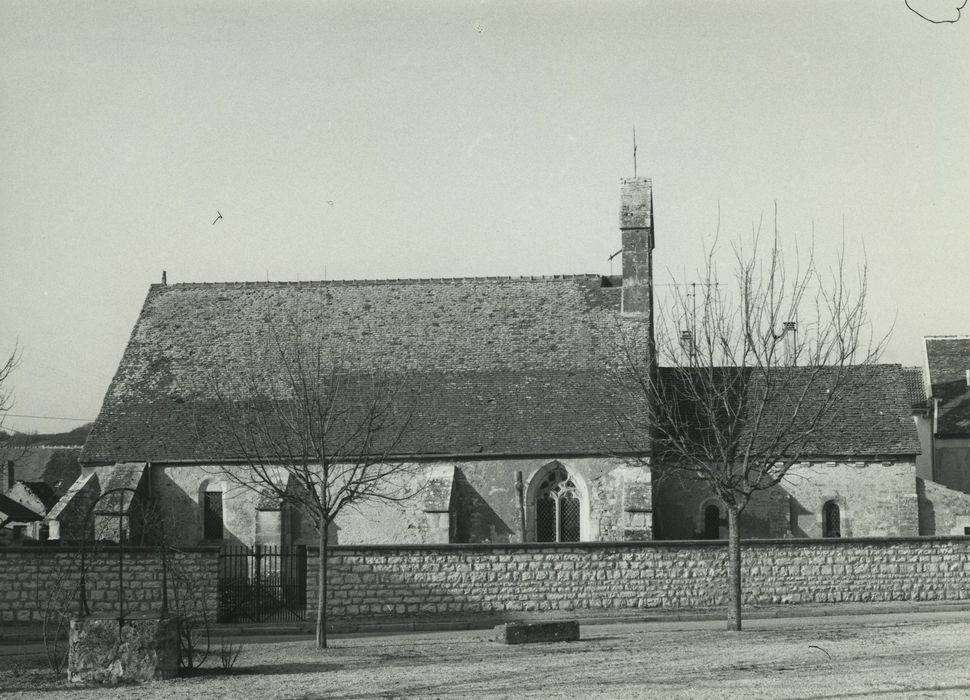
(28, 633)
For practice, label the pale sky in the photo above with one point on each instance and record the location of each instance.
(347, 140)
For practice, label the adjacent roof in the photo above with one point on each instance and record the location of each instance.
(56, 466)
(491, 366)
(915, 387)
(41, 491)
(14, 512)
(861, 411)
(948, 361)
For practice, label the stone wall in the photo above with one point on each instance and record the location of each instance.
(876, 499)
(942, 511)
(483, 505)
(616, 498)
(31, 576)
(510, 579)
(951, 463)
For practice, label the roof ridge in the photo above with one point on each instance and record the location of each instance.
(384, 281)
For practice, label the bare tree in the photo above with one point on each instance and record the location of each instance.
(747, 375)
(314, 432)
(12, 447)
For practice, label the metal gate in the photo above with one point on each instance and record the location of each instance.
(262, 584)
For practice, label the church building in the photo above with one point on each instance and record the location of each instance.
(514, 434)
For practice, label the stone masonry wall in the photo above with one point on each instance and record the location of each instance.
(30, 576)
(942, 511)
(503, 579)
(876, 499)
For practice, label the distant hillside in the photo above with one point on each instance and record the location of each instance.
(72, 438)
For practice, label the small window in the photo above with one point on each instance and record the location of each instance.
(712, 522)
(212, 526)
(966, 531)
(831, 520)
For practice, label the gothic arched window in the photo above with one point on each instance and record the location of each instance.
(831, 520)
(557, 508)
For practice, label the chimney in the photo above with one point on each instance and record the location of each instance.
(789, 329)
(9, 477)
(636, 230)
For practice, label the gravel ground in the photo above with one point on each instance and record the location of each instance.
(799, 658)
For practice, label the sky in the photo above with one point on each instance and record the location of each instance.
(354, 140)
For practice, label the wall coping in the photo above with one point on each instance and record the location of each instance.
(644, 544)
(113, 549)
(518, 546)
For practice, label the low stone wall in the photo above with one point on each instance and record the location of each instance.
(490, 579)
(30, 577)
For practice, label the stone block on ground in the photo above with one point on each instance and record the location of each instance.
(530, 632)
(140, 649)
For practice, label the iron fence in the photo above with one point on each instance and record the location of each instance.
(262, 584)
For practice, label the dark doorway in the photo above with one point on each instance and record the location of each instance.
(212, 526)
(712, 522)
(831, 520)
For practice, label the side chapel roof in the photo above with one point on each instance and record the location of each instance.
(868, 416)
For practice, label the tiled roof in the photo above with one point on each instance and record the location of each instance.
(493, 366)
(869, 416)
(948, 360)
(915, 387)
(504, 365)
(468, 413)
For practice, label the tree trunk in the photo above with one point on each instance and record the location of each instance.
(734, 570)
(322, 588)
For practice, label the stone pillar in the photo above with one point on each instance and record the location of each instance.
(138, 650)
(638, 508)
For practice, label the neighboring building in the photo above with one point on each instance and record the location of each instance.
(18, 523)
(35, 481)
(944, 431)
(515, 436)
(948, 415)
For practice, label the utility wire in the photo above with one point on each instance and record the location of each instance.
(22, 415)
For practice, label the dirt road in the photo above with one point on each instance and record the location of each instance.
(883, 656)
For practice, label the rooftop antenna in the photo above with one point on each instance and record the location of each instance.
(634, 151)
(611, 260)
